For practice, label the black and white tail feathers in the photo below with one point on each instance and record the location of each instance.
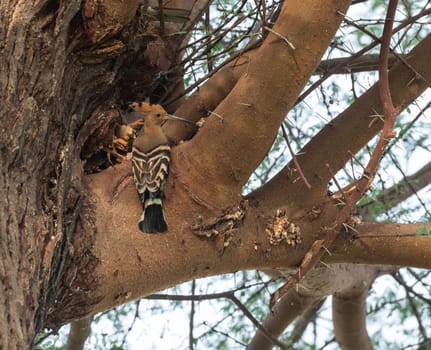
(153, 219)
(150, 170)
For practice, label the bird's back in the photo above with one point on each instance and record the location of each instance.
(151, 168)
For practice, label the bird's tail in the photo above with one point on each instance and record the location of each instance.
(153, 219)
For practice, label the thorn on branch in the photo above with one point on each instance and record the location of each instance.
(217, 115)
(326, 249)
(295, 159)
(375, 117)
(249, 105)
(340, 189)
(281, 36)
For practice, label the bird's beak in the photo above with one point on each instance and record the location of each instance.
(174, 117)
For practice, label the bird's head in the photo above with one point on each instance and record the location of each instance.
(152, 113)
(155, 114)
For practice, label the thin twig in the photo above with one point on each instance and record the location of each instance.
(192, 318)
(257, 324)
(397, 55)
(337, 184)
(352, 58)
(227, 295)
(135, 317)
(263, 18)
(295, 160)
(310, 259)
(399, 278)
(208, 49)
(416, 313)
(224, 334)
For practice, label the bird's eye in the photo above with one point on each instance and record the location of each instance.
(158, 115)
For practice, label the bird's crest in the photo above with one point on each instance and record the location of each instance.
(146, 107)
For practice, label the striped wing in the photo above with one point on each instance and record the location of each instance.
(150, 169)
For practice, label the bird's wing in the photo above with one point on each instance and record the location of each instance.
(150, 169)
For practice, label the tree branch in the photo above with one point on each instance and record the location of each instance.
(309, 315)
(320, 282)
(134, 269)
(385, 93)
(130, 264)
(379, 243)
(234, 142)
(231, 296)
(399, 192)
(352, 130)
(344, 65)
(207, 98)
(78, 334)
(358, 54)
(286, 311)
(349, 315)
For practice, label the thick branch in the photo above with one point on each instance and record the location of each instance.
(301, 324)
(79, 332)
(387, 244)
(320, 246)
(399, 192)
(229, 148)
(352, 130)
(221, 83)
(131, 266)
(349, 315)
(338, 279)
(287, 310)
(364, 63)
(206, 98)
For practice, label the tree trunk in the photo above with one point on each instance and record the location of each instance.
(60, 60)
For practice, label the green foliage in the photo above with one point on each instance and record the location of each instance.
(423, 231)
(47, 341)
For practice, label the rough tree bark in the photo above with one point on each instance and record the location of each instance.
(69, 242)
(60, 61)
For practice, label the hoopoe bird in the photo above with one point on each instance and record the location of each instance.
(151, 155)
